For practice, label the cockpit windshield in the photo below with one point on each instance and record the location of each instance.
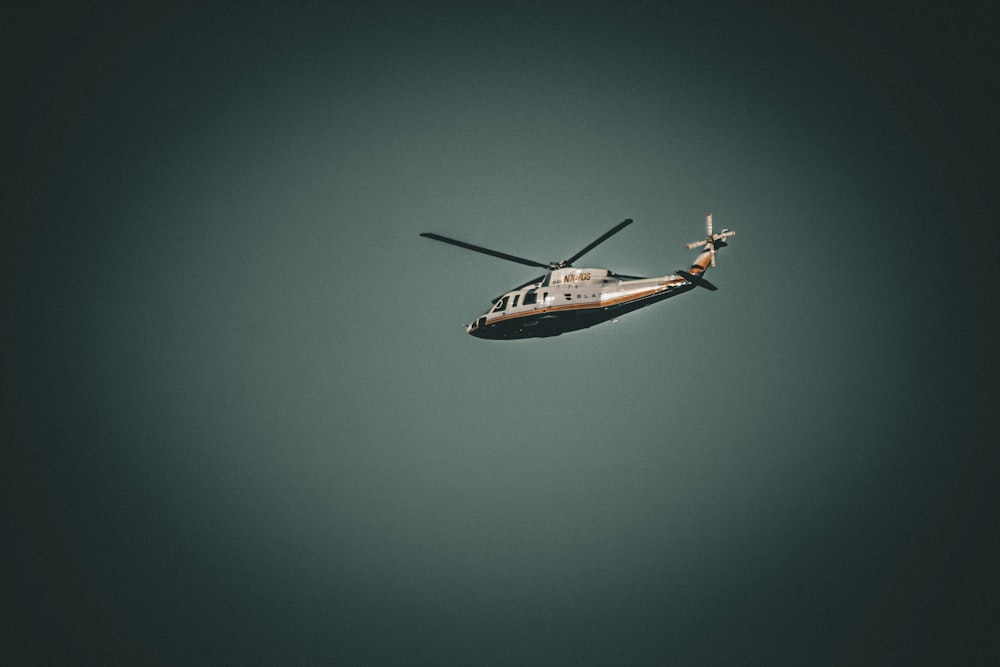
(501, 305)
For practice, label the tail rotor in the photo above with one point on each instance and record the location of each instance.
(712, 240)
(695, 275)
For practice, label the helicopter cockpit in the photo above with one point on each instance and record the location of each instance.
(499, 307)
(501, 304)
(516, 299)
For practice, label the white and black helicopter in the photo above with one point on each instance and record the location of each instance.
(568, 299)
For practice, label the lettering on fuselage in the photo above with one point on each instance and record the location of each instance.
(575, 278)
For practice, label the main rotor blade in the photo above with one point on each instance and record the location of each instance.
(604, 237)
(486, 251)
(530, 282)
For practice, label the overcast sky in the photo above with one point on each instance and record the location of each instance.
(250, 427)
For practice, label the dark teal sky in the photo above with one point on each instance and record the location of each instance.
(248, 425)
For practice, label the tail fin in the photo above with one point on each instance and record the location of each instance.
(696, 280)
(706, 259)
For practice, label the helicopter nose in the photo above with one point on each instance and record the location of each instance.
(475, 328)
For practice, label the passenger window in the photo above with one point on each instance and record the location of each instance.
(530, 297)
(513, 303)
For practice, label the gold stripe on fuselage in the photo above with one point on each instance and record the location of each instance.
(593, 305)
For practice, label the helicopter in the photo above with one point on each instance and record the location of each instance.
(568, 299)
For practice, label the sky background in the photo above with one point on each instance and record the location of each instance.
(244, 422)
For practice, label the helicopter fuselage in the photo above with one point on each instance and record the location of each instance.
(571, 299)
